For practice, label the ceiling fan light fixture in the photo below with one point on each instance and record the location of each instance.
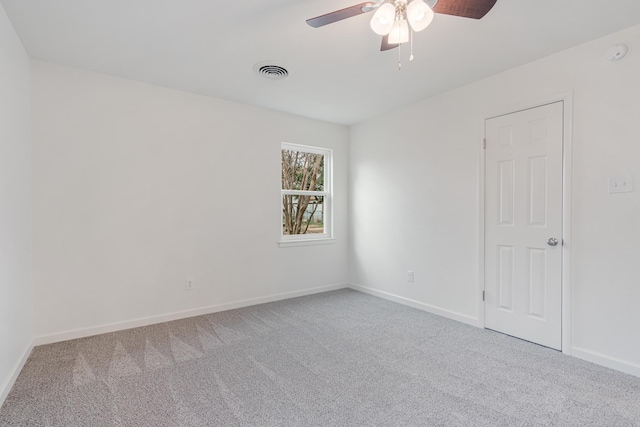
(419, 15)
(383, 19)
(399, 32)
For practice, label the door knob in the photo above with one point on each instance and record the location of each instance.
(552, 241)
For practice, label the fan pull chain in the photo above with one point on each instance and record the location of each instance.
(399, 52)
(411, 46)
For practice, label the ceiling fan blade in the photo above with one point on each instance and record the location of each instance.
(339, 15)
(475, 9)
(386, 45)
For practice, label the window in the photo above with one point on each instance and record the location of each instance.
(306, 193)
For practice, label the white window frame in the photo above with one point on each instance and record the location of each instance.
(327, 236)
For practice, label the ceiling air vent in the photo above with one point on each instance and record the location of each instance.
(271, 71)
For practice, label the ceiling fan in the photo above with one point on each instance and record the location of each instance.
(396, 20)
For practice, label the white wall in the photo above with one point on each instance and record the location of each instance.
(15, 206)
(137, 187)
(414, 195)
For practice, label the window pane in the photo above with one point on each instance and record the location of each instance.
(302, 214)
(302, 171)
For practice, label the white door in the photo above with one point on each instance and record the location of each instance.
(523, 224)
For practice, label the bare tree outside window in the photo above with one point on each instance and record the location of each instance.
(304, 197)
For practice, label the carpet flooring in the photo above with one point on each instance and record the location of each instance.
(340, 358)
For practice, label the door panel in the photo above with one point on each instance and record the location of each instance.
(523, 209)
(506, 278)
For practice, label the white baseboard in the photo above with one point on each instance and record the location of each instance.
(606, 361)
(463, 318)
(146, 321)
(6, 387)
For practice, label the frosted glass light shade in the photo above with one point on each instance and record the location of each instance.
(419, 15)
(382, 20)
(399, 32)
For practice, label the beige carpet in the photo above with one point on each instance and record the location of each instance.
(340, 358)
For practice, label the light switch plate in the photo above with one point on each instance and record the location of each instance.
(620, 184)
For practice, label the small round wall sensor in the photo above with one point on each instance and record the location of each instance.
(617, 53)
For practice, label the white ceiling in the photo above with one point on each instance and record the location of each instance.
(337, 72)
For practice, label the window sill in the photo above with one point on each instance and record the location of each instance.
(306, 242)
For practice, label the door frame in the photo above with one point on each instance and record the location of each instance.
(567, 150)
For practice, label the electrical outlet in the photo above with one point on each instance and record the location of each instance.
(188, 284)
(620, 184)
(409, 276)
